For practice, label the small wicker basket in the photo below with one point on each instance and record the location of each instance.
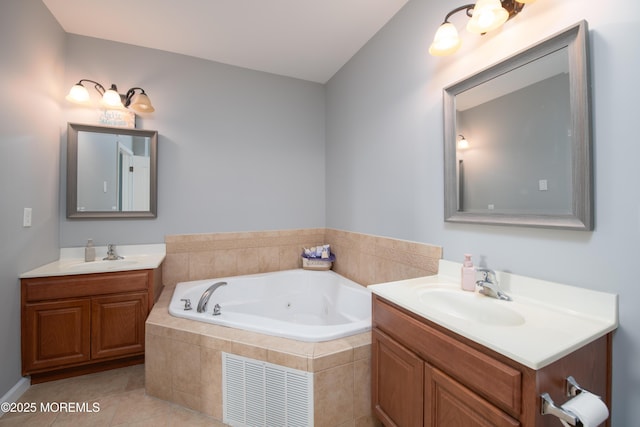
(316, 264)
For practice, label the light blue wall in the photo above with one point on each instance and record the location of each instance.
(31, 77)
(243, 150)
(238, 150)
(385, 156)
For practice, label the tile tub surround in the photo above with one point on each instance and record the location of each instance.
(183, 364)
(363, 258)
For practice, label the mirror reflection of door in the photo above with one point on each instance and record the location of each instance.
(134, 172)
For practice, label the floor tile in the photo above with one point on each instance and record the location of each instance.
(111, 398)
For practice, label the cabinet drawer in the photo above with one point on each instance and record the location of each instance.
(497, 382)
(81, 285)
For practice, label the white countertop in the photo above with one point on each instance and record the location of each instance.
(71, 261)
(551, 319)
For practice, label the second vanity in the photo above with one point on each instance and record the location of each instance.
(445, 357)
(79, 317)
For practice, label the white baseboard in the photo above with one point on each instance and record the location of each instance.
(16, 391)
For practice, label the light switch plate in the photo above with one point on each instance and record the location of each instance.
(26, 217)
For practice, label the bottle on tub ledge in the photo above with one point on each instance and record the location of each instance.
(468, 279)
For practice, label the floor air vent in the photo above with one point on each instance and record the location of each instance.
(261, 394)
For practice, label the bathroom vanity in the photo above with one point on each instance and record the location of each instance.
(445, 357)
(82, 317)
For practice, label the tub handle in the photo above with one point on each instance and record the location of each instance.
(187, 303)
(216, 310)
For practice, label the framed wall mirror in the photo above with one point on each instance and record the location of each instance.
(517, 139)
(111, 172)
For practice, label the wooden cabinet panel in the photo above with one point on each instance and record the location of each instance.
(55, 334)
(450, 404)
(84, 323)
(117, 325)
(397, 383)
(85, 285)
(473, 367)
(466, 384)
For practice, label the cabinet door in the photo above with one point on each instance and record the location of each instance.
(117, 325)
(448, 403)
(55, 334)
(396, 383)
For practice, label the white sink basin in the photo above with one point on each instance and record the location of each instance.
(470, 306)
(102, 265)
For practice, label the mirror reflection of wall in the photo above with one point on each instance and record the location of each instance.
(521, 162)
(113, 172)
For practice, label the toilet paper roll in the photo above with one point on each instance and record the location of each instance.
(589, 408)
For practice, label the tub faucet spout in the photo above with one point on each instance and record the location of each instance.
(204, 299)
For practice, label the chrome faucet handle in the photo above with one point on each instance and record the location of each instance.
(489, 286)
(111, 253)
(487, 273)
(216, 310)
(187, 303)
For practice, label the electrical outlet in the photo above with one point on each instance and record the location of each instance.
(26, 217)
(542, 185)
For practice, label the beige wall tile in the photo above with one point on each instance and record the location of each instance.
(333, 401)
(185, 367)
(211, 381)
(361, 388)
(175, 268)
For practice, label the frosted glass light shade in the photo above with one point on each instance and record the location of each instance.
(142, 104)
(487, 15)
(463, 143)
(446, 41)
(111, 98)
(78, 94)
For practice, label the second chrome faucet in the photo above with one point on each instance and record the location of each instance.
(488, 285)
(111, 253)
(204, 299)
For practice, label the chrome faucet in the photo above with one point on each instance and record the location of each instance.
(204, 299)
(489, 285)
(111, 253)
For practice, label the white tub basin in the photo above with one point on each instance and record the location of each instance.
(470, 306)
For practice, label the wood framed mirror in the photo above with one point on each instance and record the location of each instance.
(111, 172)
(527, 126)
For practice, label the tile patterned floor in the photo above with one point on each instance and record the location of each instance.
(120, 398)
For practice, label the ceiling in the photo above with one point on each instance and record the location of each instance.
(305, 39)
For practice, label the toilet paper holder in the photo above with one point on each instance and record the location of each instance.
(548, 407)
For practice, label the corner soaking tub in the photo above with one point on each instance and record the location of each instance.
(304, 305)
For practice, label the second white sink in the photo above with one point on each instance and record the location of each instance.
(470, 306)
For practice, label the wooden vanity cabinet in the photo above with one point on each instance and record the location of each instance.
(425, 375)
(84, 323)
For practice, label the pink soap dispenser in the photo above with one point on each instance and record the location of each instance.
(468, 281)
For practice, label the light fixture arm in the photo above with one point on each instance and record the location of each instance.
(468, 8)
(98, 87)
(512, 6)
(126, 99)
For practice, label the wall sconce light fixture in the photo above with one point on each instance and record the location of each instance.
(463, 144)
(111, 98)
(485, 16)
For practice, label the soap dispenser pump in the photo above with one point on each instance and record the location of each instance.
(468, 279)
(89, 251)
